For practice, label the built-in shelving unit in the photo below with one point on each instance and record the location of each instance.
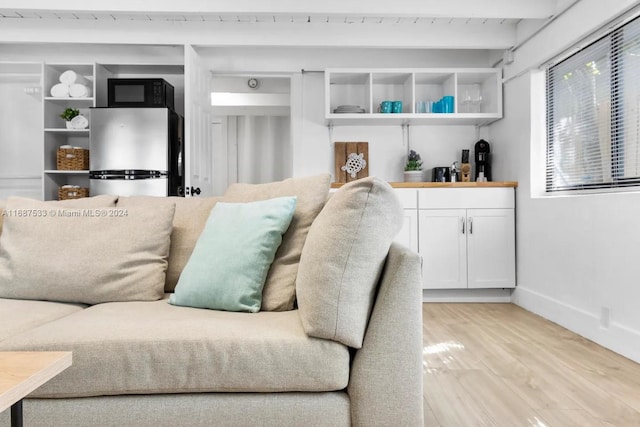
(477, 95)
(55, 130)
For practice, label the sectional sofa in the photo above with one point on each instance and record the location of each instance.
(274, 305)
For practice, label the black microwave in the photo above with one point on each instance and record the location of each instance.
(149, 92)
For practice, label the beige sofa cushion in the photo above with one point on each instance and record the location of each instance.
(280, 289)
(18, 316)
(343, 257)
(330, 409)
(155, 347)
(2, 205)
(86, 253)
(188, 222)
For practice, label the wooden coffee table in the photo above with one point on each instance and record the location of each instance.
(22, 372)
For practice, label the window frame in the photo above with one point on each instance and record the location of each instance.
(616, 80)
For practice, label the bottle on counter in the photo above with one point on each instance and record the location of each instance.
(453, 172)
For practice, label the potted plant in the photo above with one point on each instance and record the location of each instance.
(413, 167)
(74, 119)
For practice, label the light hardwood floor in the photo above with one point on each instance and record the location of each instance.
(499, 365)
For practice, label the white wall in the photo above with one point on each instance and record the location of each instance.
(312, 144)
(313, 141)
(576, 256)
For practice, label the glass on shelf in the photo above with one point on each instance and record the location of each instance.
(472, 100)
(423, 107)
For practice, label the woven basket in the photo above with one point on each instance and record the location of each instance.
(72, 193)
(72, 159)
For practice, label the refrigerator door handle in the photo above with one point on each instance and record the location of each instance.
(122, 175)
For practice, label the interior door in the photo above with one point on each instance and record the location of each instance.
(198, 132)
(443, 247)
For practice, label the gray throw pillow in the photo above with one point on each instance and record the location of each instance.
(87, 251)
(343, 257)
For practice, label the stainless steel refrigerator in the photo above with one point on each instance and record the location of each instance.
(136, 151)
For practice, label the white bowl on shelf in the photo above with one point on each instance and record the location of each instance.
(78, 122)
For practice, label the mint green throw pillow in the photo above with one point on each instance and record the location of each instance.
(231, 259)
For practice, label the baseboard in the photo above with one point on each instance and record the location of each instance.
(616, 337)
(466, 295)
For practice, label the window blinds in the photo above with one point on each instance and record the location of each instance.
(593, 115)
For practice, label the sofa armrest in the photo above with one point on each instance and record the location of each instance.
(385, 385)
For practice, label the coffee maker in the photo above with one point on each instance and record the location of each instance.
(483, 167)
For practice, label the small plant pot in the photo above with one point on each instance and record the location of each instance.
(69, 126)
(412, 176)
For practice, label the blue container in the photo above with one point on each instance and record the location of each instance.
(448, 104)
(396, 107)
(386, 107)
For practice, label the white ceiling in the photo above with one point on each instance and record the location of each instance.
(250, 17)
(490, 24)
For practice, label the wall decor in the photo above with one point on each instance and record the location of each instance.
(351, 161)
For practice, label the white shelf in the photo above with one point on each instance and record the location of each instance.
(144, 69)
(378, 119)
(65, 130)
(367, 88)
(66, 172)
(68, 99)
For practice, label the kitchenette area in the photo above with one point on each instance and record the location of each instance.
(465, 229)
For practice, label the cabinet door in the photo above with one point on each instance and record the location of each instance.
(442, 242)
(491, 248)
(408, 235)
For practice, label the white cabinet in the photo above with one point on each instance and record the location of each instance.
(408, 235)
(467, 248)
(467, 237)
(477, 94)
(491, 248)
(443, 246)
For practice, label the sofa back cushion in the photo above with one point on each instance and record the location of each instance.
(84, 251)
(343, 258)
(188, 222)
(3, 203)
(280, 287)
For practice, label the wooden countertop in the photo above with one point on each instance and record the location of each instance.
(492, 184)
